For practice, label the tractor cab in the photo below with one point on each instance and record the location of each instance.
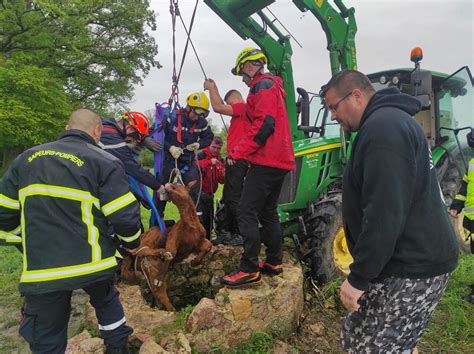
(447, 105)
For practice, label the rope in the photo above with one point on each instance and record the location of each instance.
(189, 40)
(174, 11)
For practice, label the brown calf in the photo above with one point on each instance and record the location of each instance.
(186, 237)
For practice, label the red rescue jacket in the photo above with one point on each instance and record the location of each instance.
(239, 125)
(212, 175)
(268, 141)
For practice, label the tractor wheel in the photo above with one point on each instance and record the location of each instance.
(328, 253)
(450, 182)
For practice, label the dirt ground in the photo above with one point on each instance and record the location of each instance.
(320, 323)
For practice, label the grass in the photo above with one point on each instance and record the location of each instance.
(179, 324)
(452, 326)
(451, 329)
(171, 212)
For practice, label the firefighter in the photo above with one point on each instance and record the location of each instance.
(269, 150)
(124, 139)
(185, 133)
(213, 171)
(57, 201)
(465, 200)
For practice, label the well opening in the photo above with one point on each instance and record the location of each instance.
(188, 285)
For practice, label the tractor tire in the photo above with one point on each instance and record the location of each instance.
(450, 181)
(327, 253)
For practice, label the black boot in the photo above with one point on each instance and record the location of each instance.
(223, 236)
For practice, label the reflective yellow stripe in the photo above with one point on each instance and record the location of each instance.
(92, 231)
(9, 237)
(86, 199)
(460, 197)
(16, 231)
(67, 272)
(9, 203)
(118, 203)
(58, 192)
(130, 238)
(320, 148)
(465, 179)
(118, 255)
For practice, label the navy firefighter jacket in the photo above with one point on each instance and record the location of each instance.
(112, 141)
(190, 132)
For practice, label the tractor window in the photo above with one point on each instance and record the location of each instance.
(456, 105)
(319, 116)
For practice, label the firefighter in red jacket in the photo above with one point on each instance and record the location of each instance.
(269, 150)
(212, 170)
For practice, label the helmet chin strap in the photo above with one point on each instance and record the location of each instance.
(260, 67)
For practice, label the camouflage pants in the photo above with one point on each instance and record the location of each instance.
(392, 316)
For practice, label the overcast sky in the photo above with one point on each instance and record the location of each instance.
(387, 30)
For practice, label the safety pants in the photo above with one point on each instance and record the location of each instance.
(258, 203)
(45, 318)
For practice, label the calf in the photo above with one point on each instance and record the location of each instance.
(186, 237)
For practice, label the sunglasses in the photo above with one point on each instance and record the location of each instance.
(200, 112)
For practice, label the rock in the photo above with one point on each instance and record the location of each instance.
(77, 318)
(241, 309)
(92, 345)
(140, 316)
(317, 328)
(280, 347)
(151, 347)
(188, 285)
(84, 344)
(206, 315)
(183, 343)
(74, 342)
(234, 315)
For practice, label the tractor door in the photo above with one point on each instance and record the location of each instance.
(455, 114)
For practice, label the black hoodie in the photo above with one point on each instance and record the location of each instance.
(395, 218)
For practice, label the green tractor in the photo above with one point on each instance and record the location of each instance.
(311, 199)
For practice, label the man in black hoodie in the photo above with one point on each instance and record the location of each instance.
(395, 219)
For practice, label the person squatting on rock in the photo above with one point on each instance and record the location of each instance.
(185, 134)
(212, 171)
(63, 196)
(269, 150)
(233, 105)
(124, 139)
(465, 200)
(404, 253)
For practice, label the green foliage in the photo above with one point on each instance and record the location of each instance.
(98, 49)
(260, 343)
(182, 317)
(33, 105)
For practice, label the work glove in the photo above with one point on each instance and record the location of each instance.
(176, 152)
(152, 145)
(134, 146)
(163, 195)
(192, 147)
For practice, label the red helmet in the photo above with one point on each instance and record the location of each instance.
(139, 121)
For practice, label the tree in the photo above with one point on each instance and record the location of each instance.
(98, 48)
(33, 108)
